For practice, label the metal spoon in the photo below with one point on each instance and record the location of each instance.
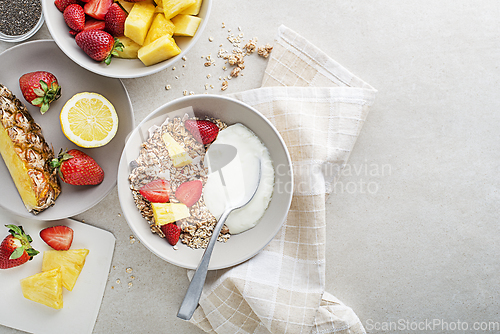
(193, 292)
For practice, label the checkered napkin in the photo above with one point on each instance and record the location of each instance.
(319, 108)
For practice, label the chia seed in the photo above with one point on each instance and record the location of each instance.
(17, 17)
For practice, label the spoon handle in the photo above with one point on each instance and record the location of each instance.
(193, 293)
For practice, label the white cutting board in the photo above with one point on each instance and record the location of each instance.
(81, 305)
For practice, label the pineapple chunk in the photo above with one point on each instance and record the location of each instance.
(160, 27)
(71, 263)
(126, 5)
(186, 25)
(139, 20)
(174, 7)
(193, 9)
(162, 49)
(159, 9)
(130, 48)
(178, 154)
(44, 288)
(165, 213)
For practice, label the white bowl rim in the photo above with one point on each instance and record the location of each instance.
(153, 114)
(146, 72)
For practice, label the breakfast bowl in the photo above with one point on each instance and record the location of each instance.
(241, 246)
(119, 67)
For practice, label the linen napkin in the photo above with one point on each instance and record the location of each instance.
(319, 108)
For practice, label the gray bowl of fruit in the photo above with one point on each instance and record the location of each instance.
(126, 39)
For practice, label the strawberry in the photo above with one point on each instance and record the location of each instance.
(62, 4)
(172, 233)
(97, 8)
(74, 16)
(40, 88)
(156, 191)
(98, 45)
(115, 20)
(77, 168)
(204, 132)
(189, 192)
(90, 24)
(15, 248)
(58, 237)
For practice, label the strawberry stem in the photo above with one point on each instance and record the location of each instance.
(117, 46)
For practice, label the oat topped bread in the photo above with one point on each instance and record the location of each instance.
(26, 154)
(167, 177)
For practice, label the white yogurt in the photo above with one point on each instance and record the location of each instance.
(243, 167)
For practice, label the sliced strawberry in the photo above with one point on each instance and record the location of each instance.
(203, 131)
(97, 8)
(156, 191)
(172, 233)
(189, 192)
(74, 17)
(94, 24)
(58, 237)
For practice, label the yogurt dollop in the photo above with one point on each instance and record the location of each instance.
(242, 168)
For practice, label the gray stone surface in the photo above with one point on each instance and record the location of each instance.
(413, 232)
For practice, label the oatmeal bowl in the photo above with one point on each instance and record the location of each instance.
(180, 165)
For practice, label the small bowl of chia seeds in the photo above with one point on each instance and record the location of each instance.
(20, 19)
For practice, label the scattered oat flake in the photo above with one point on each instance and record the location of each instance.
(208, 76)
(114, 267)
(183, 65)
(128, 270)
(112, 287)
(191, 93)
(184, 58)
(118, 281)
(210, 39)
(173, 68)
(175, 247)
(130, 284)
(132, 277)
(177, 77)
(224, 85)
(185, 92)
(167, 87)
(207, 64)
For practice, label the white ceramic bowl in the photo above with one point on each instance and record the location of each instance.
(239, 247)
(119, 68)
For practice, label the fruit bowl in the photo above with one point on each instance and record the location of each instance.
(119, 68)
(239, 247)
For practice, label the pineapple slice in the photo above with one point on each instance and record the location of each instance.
(162, 49)
(165, 213)
(159, 9)
(126, 5)
(193, 9)
(26, 154)
(160, 27)
(71, 263)
(174, 7)
(139, 20)
(186, 25)
(130, 48)
(44, 288)
(177, 153)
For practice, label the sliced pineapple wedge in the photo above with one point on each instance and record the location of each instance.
(174, 7)
(71, 263)
(130, 48)
(44, 288)
(139, 20)
(193, 9)
(165, 213)
(186, 25)
(159, 28)
(178, 154)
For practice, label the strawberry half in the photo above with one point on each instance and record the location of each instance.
(97, 8)
(189, 192)
(98, 45)
(172, 233)
(156, 191)
(58, 237)
(74, 16)
(77, 168)
(40, 88)
(115, 20)
(203, 131)
(16, 248)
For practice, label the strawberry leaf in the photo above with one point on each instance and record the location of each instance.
(44, 108)
(37, 101)
(17, 253)
(43, 85)
(38, 92)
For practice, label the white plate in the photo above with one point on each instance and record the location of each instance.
(119, 68)
(81, 305)
(239, 247)
(45, 55)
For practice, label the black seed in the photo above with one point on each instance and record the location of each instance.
(17, 17)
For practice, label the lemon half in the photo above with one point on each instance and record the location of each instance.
(89, 120)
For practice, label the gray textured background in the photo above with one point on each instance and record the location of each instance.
(413, 232)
